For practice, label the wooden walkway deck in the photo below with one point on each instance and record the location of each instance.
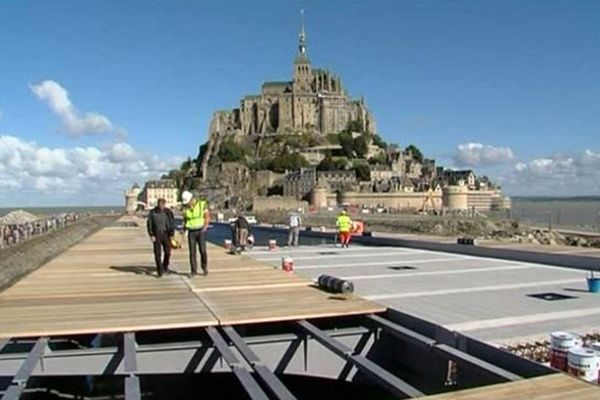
(107, 284)
(550, 387)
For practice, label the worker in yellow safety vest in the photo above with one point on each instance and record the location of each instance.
(344, 226)
(195, 224)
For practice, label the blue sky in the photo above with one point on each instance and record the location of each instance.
(519, 80)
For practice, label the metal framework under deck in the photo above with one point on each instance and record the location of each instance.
(248, 358)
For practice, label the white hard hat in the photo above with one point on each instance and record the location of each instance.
(186, 197)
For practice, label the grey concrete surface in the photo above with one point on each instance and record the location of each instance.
(487, 298)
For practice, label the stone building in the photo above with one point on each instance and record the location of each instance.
(337, 180)
(459, 177)
(381, 172)
(299, 184)
(315, 101)
(160, 189)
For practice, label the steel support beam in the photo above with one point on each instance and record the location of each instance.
(460, 356)
(388, 381)
(249, 384)
(448, 351)
(19, 381)
(400, 331)
(276, 387)
(3, 343)
(132, 382)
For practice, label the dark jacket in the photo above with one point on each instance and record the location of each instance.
(160, 222)
(242, 223)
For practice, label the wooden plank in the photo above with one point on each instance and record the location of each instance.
(107, 284)
(550, 387)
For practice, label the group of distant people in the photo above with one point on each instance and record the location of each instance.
(196, 218)
(13, 234)
(343, 224)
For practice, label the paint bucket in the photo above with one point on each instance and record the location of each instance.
(560, 344)
(596, 347)
(583, 363)
(287, 264)
(272, 244)
(593, 284)
(227, 244)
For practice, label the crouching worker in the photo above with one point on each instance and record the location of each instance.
(242, 228)
(161, 229)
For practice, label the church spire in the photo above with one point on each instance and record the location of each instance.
(302, 35)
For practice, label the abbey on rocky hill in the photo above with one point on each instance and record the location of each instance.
(315, 101)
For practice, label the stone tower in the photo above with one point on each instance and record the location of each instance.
(131, 198)
(302, 69)
(313, 101)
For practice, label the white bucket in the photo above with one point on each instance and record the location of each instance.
(596, 346)
(287, 264)
(584, 363)
(227, 244)
(560, 344)
(272, 244)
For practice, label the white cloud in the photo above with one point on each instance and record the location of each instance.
(477, 154)
(74, 122)
(76, 175)
(560, 175)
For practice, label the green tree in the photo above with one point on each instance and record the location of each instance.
(416, 152)
(186, 165)
(363, 173)
(379, 159)
(332, 164)
(231, 151)
(287, 161)
(379, 142)
(347, 144)
(361, 147)
(354, 126)
(333, 138)
(326, 164)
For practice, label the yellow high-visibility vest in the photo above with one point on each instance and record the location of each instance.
(194, 216)
(344, 223)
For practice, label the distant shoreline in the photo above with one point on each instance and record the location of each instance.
(62, 209)
(556, 198)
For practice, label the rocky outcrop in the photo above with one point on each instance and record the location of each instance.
(554, 238)
(221, 125)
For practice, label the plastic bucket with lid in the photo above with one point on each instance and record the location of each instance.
(593, 285)
(596, 347)
(583, 363)
(272, 244)
(287, 264)
(560, 344)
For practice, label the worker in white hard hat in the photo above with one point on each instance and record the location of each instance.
(195, 224)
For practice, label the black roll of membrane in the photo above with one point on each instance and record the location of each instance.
(336, 285)
(467, 241)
